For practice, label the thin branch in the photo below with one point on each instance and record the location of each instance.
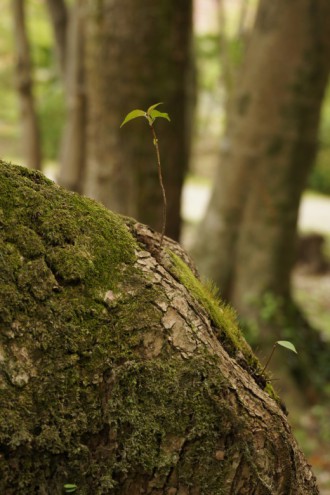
(155, 141)
(269, 358)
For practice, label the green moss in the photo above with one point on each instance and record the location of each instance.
(36, 278)
(27, 241)
(164, 403)
(271, 392)
(58, 336)
(224, 320)
(51, 217)
(80, 400)
(71, 263)
(222, 316)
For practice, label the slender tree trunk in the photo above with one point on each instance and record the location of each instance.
(73, 148)
(138, 53)
(246, 241)
(29, 122)
(58, 12)
(68, 27)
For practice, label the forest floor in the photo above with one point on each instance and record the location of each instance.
(312, 292)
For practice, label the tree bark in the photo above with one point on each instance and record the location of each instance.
(137, 55)
(68, 26)
(119, 371)
(73, 148)
(247, 239)
(29, 122)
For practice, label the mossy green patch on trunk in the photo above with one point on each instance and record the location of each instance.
(85, 395)
(79, 403)
(225, 323)
(222, 316)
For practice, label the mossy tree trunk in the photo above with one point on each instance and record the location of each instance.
(138, 54)
(119, 371)
(247, 239)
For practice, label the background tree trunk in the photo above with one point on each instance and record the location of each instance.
(120, 372)
(29, 122)
(73, 148)
(68, 26)
(58, 13)
(247, 239)
(138, 54)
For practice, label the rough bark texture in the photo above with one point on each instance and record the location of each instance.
(247, 239)
(119, 371)
(31, 144)
(138, 54)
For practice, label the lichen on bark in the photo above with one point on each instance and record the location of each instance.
(113, 373)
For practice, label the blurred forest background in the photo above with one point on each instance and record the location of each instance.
(246, 157)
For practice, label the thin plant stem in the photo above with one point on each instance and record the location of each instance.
(269, 358)
(160, 176)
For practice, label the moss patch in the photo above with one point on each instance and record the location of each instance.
(80, 403)
(79, 400)
(168, 415)
(59, 255)
(224, 320)
(222, 316)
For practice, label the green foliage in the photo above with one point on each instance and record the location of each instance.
(319, 179)
(70, 488)
(51, 112)
(207, 58)
(216, 71)
(133, 115)
(47, 89)
(8, 101)
(287, 345)
(283, 343)
(270, 307)
(151, 115)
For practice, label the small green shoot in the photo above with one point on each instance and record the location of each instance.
(283, 343)
(287, 345)
(151, 115)
(70, 488)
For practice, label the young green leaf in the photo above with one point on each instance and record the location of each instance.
(69, 488)
(155, 113)
(151, 114)
(153, 106)
(287, 345)
(133, 115)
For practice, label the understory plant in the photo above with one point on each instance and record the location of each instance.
(151, 114)
(282, 343)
